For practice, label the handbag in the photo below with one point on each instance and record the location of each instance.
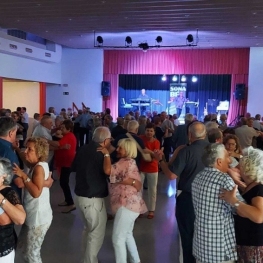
(146, 156)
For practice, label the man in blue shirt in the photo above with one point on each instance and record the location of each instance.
(8, 129)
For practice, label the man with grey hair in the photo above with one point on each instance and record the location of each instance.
(186, 166)
(132, 128)
(214, 234)
(119, 129)
(8, 129)
(180, 136)
(91, 188)
(142, 124)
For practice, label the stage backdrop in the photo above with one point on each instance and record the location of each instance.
(217, 87)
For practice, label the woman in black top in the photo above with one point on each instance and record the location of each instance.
(249, 218)
(11, 212)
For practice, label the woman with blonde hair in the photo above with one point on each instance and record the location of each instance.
(126, 200)
(249, 218)
(36, 199)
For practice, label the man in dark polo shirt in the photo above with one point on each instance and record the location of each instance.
(186, 166)
(8, 129)
(132, 130)
(91, 188)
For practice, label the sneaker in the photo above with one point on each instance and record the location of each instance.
(69, 209)
(63, 204)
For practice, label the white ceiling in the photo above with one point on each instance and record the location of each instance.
(221, 23)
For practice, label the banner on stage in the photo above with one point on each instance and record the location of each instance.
(176, 88)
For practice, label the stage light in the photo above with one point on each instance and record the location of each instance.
(164, 77)
(175, 78)
(99, 41)
(144, 46)
(159, 39)
(190, 39)
(194, 79)
(128, 41)
(183, 78)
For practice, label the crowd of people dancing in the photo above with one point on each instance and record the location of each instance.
(219, 171)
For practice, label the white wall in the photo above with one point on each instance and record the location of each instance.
(255, 81)
(82, 71)
(21, 94)
(27, 69)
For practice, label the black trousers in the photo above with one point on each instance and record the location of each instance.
(185, 217)
(82, 133)
(64, 184)
(167, 144)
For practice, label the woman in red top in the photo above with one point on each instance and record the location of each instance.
(150, 169)
(64, 156)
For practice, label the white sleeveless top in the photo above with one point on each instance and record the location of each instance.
(38, 210)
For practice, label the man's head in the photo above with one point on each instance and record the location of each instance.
(51, 110)
(47, 122)
(120, 121)
(108, 119)
(133, 126)
(215, 136)
(196, 131)
(102, 136)
(163, 115)
(142, 120)
(188, 118)
(8, 129)
(137, 115)
(23, 109)
(258, 117)
(149, 130)
(243, 121)
(223, 117)
(143, 92)
(215, 155)
(247, 115)
(37, 116)
(250, 122)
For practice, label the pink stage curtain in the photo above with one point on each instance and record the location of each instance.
(112, 101)
(237, 107)
(183, 61)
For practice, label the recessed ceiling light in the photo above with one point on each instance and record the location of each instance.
(46, 31)
(256, 36)
(255, 26)
(254, 13)
(228, 32)
(18, 20)
(257, 44)
(187, 15)
(70, 19)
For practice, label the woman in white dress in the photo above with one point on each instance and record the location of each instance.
(36, 199)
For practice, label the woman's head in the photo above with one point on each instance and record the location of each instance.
(36, 150)
(6, 171)
(67, 126)
(126, 148)
(232, 144)
(252, 164)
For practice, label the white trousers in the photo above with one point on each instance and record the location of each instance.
(122, 236)
(152, 180)
(30, 240)
(94, 217)
(10, 258)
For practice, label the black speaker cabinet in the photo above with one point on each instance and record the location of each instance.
(105, 88)
(240, 92)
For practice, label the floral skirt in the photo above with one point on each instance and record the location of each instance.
(250, 254)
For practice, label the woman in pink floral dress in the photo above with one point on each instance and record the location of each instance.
(126, 201)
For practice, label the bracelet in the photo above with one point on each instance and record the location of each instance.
(3, 202)
(106, 155)
(133, 182)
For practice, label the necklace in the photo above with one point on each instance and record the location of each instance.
(248, 186)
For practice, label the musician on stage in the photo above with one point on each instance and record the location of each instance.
(179, 103)
(143, 96)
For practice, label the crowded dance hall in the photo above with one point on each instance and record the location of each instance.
(131, 131)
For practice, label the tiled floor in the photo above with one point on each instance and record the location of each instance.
(156, 239)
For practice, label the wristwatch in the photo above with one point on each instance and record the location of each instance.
(106, 155)
(2, 202)
(236, 204)
(27, 180)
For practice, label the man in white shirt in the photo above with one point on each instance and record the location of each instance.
(43, 130)
(245, 134)
(256, 123)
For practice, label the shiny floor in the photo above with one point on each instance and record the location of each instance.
(157, 239)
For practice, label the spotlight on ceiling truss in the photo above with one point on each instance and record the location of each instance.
(128, 41)
(190, 42)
